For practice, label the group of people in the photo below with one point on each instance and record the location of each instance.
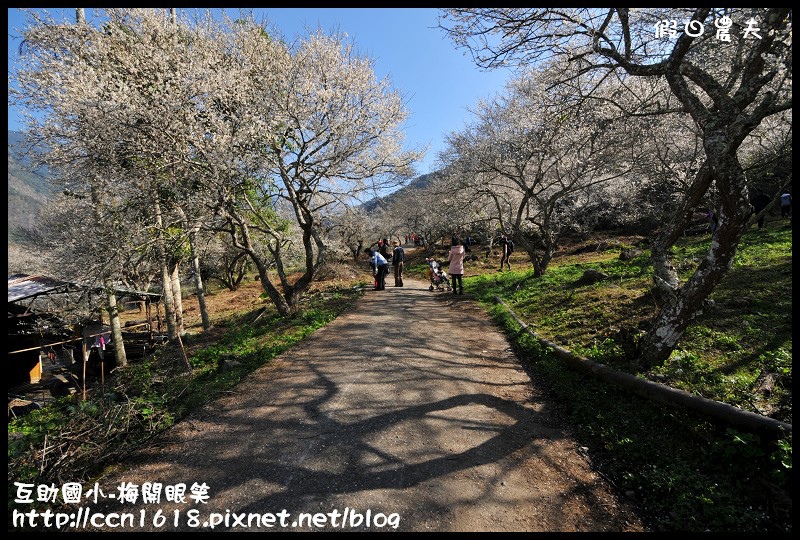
(379, 262)
(760, 200)
(413, 238)
(380, 259)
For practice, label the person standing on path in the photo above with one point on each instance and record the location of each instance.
(381, 266)
(760, 201)
(456, 269)
(398, 258)
(507, 247)
(786, 204)
(383, 247)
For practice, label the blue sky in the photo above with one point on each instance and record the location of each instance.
(438, 81)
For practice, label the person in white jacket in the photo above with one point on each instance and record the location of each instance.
(380, 267)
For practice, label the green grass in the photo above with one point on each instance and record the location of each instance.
(685, 472)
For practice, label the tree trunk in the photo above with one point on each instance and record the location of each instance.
(533, 256)
(357, 251)
(665, 274)
(245, 243)
(177, 296)
(234, 270)
(198, 280)
(539, 256)
(111, 298)
(686, 303)
(273, 293)
(678, 311)
(166, 284)
(116, 327)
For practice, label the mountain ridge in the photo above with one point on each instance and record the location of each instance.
(29, 189)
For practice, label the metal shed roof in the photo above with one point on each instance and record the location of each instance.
(22, 286)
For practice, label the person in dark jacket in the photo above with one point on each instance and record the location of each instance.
(398, 259)
(786, 204)
(383, 247)
(760, 201)
(507, 247)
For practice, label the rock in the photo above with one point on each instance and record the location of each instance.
(741, 301)
(224, 363)
(766, 383)
(628, 254)
(592, 276)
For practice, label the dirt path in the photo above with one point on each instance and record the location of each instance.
(411, 405)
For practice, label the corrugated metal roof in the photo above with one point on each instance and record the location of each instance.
(21, 286)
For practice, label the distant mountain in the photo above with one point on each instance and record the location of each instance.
(419, 182)
(28, 187)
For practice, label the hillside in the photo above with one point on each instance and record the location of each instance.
(419, 182)
(28, 190)
(687, 471)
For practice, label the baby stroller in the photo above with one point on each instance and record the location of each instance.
(438, 276)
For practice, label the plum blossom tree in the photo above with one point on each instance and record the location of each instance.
(121, 98)
(215, 118)
(728, 68)
(352, 226)
(330, 132)
(530, 153)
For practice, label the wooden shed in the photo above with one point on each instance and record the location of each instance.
(37, 334)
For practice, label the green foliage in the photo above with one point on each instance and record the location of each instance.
(178, 245)
(261, 194)
(772, 459)
(779, 361)
(601, 351)
(32, 428)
